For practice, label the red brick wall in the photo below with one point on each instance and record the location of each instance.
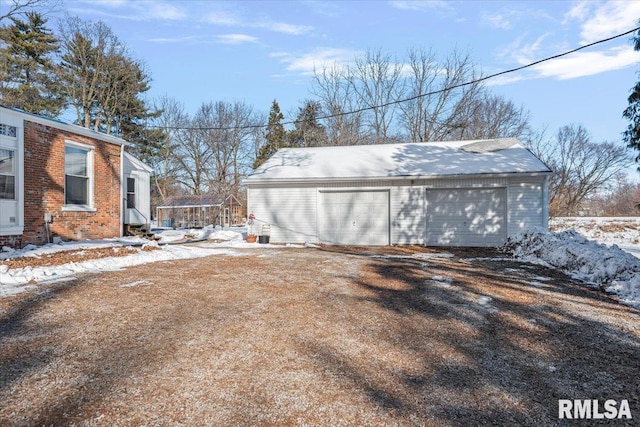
(44, 187)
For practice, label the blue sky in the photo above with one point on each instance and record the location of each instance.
(203, 51)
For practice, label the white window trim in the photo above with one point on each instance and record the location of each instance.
(15, 171)
(89, 207)
(17, 204)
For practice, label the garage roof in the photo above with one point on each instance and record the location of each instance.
(410, 160)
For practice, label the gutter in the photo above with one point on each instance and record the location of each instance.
(402, 178)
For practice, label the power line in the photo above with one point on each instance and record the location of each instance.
(412, 98)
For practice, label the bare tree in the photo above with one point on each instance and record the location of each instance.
(226, 130)
(375, 81)
(492, 116)
(184, 156)
(337, 98)
(621, 200)
(14, 8)
(581, 167)
(163, 159)
(440, 95)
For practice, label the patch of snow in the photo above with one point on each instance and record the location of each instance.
(441, 281)
(608, 267)
(621, 231)
(134, 284)
(13, 281)
(484, 300)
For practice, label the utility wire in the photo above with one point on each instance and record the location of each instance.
(422, 95)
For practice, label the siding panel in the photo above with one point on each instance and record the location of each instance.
(526, 206)
(407, 215)
(290, 211)
(466, 217)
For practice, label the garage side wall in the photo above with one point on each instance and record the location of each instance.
(290, 211)
(528, 207)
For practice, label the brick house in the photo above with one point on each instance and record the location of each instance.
(58, 181)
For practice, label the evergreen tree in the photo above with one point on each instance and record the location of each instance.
(632, 135)
(308, 131)
(276, 136)
(27, 70)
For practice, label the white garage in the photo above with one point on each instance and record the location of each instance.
(460, 193)
(466, 217)
(354, 217)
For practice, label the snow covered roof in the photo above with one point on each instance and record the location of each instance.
(136, 163)
(190, 200)
(410, 160)
(187, 201)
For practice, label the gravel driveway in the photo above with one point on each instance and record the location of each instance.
(334, 336)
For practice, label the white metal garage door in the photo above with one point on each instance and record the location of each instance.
(466, 217)
(354, 217)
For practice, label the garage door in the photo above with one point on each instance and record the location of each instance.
(354, 217)
(466, 217)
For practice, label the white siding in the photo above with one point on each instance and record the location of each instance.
(353, 217)
(527, 208)
(466, 216)
(292, 210)
(407, 215)
(141, 215)
(289, 210)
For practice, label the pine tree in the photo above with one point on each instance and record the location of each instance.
(276, 137)
(308, 131)
(632, 113)
(27, 73)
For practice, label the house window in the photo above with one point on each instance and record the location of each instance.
(77, 175)
(7, 130)
(7, 174)
(131, 193)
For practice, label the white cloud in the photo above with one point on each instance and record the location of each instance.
(579, 11)
(307, 63)
(186, 39)
(580, 64)
(497, 20)
(166, 12)
(602, 20)
(525, 53)
(141, 10)
(229, 19)
(281, 27)
(504, 80)
(222, 18)
(419, 4)
(236, 39)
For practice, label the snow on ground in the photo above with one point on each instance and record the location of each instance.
(210, 241)
(621, 231)
(609, 267)
(599, 251)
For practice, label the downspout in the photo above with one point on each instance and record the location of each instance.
(122, 195)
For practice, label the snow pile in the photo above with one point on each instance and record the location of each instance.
(609, 267)
(34, 251)
(621, 231)
(205, 233)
